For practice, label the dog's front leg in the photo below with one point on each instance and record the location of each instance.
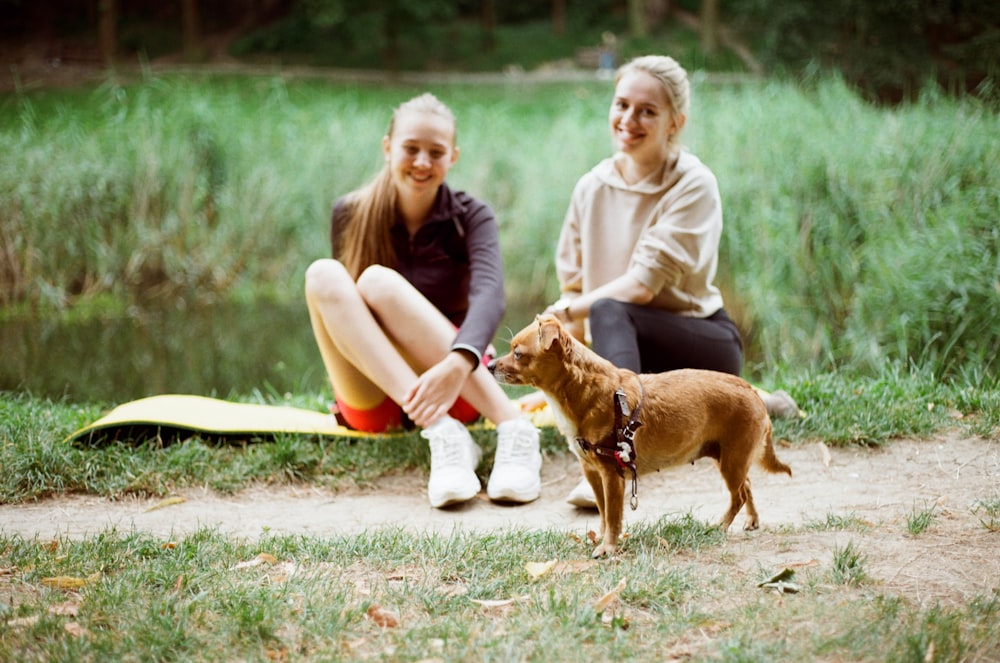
(613, 488)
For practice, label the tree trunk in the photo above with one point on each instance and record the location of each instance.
(709, 26)
(558, 17)
(488, 19)
(191, 31)
(637, 18)
(108, 38)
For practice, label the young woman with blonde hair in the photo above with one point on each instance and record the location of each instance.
(639, 247)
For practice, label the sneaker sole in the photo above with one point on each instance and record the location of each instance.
(514, 496)
(452, 498)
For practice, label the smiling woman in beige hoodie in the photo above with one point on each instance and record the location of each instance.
(639, 246)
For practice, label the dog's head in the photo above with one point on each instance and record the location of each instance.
(537, 354)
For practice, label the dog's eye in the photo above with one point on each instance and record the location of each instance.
(517, 355)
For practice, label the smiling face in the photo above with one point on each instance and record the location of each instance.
(420, 152)
(641, 117)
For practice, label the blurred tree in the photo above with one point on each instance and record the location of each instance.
(191, 38)
(637, 18)
(558, 17)
(488, 19)
(107, 30)
(889, 49)
(709, 26)
(381, 20)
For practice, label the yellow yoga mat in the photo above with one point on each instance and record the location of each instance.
(213, 416)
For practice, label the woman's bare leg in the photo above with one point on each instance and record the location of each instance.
(425, 336)
(376, 335)
(362, 363)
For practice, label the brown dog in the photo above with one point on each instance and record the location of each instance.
(665, 419)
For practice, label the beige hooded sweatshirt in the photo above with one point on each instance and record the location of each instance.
(664, 231)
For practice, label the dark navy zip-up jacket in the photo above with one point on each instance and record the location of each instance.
(454, 261)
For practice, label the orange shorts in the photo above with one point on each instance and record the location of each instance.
(388, 415)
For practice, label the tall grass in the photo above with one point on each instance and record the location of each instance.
(855, 235)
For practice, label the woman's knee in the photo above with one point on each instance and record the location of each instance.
(325, 278)
(607, 311)
(378, 284)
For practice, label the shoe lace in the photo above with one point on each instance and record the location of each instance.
(448, 447)
(516, 447)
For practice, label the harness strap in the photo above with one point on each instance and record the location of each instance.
(619, 443)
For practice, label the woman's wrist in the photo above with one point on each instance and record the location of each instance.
(468, 357)
(561, 309)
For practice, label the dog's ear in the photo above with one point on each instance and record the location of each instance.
(549, 330)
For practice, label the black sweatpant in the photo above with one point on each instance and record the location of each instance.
(650, 340)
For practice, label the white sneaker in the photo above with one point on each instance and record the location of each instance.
(582, 495)
(454, 457)
(780, 404)
(516, 475)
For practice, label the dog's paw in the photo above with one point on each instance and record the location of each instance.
(605, 550)
(750, 525)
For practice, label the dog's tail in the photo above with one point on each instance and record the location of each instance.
(768, 460)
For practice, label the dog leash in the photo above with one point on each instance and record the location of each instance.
(620, 442)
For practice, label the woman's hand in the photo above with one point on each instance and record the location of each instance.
(531, 402)
(436, 389)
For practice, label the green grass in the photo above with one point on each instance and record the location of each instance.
(918, 520)
(848, 565)
(456, 597)
(840, 410)
(988, 511)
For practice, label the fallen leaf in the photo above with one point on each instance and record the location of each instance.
(609, 598)
(592, 536)
(277, 654)
(74, 629)
(170, 501)
(262, 558)
(810, 562)
(382, 617)
(67, 609)
(784, 574)
(493, 603)
(169, 545)
(781, 581)
(64, 582)
(50, 546)
(283, 571)
(825, 453)
(573, 566)
(23, 621)
(538, 569)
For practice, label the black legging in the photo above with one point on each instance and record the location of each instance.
(650, 340)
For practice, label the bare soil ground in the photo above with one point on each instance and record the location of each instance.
(875, 491)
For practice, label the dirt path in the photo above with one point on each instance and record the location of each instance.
(955, 558)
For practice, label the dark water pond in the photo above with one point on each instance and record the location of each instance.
(215, 351)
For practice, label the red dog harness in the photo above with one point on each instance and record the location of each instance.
(620, 442)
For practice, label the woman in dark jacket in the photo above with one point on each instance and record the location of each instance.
(405, 310)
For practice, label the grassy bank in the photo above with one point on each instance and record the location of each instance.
(854, 235)
(843, 409)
